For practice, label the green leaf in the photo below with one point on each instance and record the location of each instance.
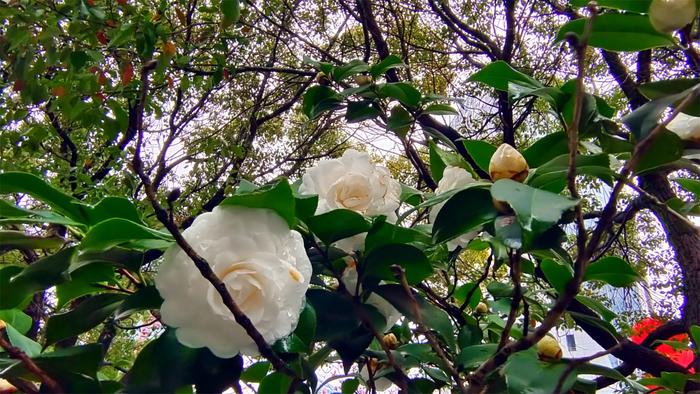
(336, 225)
(695, 333)
(465, 211)
(350, 347)
(470, 334)
(144, 298)
(526, 374)
(410, 195)
(12, 239)
(664, 150)
(644, 119)
(433, 317)
(319, 99)
(277, 196)
(83, 282)
(361, 110)
(349, 386)
(28, 346)
(690, 185)
(403, 92)
(255, 372)
(114, 207)
(42, 274)
(613, 271)
(557, 274)
(378, 263)
(546, 149)
(18, 319)
(335, 313)
(119, 257)
(481, 152)
(117, 231)
(399, 121)
(231, 11)
(636, 6)
(274, 383)
(85, 316)
(388, 63)
(552, 174)
(472, 356)
(14, 214)
(22, 182)
(383, 233)
(65, 364)
(349, 69)
(500, 75)
(306, 326)
(305, 206)
(659, 89)
(439, 109)
(618, 32)
(165, 365)
(537, 210)
(598, 307)
(460, 294)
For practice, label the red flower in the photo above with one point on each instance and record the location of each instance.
(643, 328)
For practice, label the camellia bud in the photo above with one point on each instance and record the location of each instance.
(362, 80)
(670, 15)
(2, 324)
(482, 308)
(548, 349)
(322, 79)
(390, 341)
(508, 163)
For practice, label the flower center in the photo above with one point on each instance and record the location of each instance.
(353, 191)
(245, 285)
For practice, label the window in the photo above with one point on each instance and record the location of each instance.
(571, 342)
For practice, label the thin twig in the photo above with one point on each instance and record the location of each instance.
(52, 386)
(401, 274)
(515, 273)
(201, 263)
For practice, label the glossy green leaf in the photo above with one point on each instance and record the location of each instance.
(619, 32)
(440, 109)
(114, 207)
(18, 319)
(537, 210)
(399, 121)
(659, 89)
(256, 372)
(470, 334)
(306, 325)
(383, 233)
(666, 148)
(22, 182)
(83, 281)
(461, 292)
(554, 172)
(403, 92)
(349, 69)
(433, 317)
(557, 274)
(690, 185)
(481, 152)
(277, 196)
(598, 307)
(388, 63)
(336, 225)
(378, 263)
(42, 274)
(546, 149)
(28, 346)
(144, 298)
(88, 314)
(472, 356)
(526, 374)
(500, 75)
(349, 386)
(118, 231)
(644, 119)
(361, 110)
(12, 239)
(465, 211)
(231, 11)
(613, 271)
(319, 99)
(335, 314)
(274, 383)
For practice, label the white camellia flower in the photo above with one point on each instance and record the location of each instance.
(263, 265)
(390, 313)
(670, 15)
(453, 178)
(353, 182)
(685, 126)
